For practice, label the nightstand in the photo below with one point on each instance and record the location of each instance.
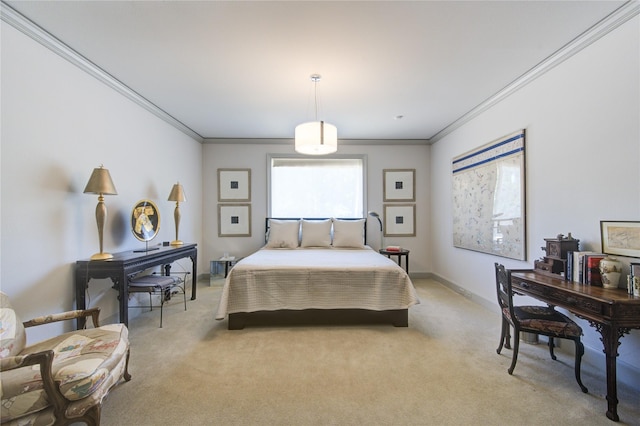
(399, 253)
(228, 263)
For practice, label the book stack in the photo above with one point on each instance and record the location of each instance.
(633, 285)
(393, 248)
(584, 267)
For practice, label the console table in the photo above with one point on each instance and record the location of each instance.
(125, 264)
(612, 312)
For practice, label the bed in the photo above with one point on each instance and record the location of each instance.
(316, 271)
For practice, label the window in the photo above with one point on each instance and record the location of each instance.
(316, 187)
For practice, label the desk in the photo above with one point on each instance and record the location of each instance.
(125, 264)
(399, 253)
(612, 312)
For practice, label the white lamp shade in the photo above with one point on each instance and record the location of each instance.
(316, 138)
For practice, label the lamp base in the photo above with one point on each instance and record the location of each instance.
(176, 243)
(102, 256)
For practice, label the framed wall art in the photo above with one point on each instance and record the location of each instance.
(234, 185)
(234, 220)
(488, 192)
(399, 220)
(620, 237)
(399, 185)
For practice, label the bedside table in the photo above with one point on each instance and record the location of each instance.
(228, 263)
(399, 254)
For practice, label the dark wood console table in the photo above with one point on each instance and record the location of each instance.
(125, 264)
(613, 313)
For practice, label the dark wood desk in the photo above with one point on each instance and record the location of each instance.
(125, 264)
(612, 312)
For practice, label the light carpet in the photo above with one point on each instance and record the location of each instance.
(443, 370)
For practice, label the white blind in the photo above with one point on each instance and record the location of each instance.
(317, 187)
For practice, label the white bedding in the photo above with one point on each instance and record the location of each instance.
(303, 278)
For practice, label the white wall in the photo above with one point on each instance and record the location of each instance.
(58, 123)
(254, 156)
(582, 153)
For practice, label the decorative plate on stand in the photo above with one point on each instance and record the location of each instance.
(145, 220)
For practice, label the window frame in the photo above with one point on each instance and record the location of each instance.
(362, 157)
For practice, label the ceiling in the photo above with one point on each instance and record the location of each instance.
(241, 69)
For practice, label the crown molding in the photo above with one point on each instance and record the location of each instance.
(618, 17)
(37, 33)
(290, 141)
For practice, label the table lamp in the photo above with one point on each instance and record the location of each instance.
(177, 195)
(100, 183)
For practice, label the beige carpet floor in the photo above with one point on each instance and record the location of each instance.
(442, 370)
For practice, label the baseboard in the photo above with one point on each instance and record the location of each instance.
(594, 357)
(493, 307)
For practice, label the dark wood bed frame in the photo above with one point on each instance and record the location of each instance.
(288, 317)
(397, 317)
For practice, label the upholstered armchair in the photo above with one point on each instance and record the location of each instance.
(61, 380)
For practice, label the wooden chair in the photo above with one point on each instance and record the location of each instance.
(541, 320)
(61, 380)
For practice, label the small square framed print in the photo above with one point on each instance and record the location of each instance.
(234, 185)
(399, 184)
(234, 220)
(399, 220)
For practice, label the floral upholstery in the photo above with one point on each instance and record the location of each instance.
(535, 319)
(12, 336)
(85, 365)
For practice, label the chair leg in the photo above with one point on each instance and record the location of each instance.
(184, 296)
(503, 334)
(516, 346)
(578, 361)
(551, 346)
(507, 338)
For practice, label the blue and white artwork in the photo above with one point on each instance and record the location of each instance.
(489, 198)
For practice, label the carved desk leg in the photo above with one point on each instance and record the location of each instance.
(194, 274)
(611, 340)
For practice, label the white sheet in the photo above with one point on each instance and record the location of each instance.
(275, 279)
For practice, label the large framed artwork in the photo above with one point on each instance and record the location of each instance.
(399, 185)
(488, 191)
(620, 237)
(234, 220)
(399, 220)
(234, 185)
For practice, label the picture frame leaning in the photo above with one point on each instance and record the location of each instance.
(234, 185)
(620, 237)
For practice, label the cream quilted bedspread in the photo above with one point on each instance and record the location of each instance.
(275, 279)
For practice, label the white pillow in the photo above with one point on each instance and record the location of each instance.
(348, 233)
(283, 233)
(316, 233)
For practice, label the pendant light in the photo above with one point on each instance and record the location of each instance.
(316, 137)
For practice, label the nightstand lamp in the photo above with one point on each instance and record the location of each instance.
(377, 216)
(100, 183)
(177, 195)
